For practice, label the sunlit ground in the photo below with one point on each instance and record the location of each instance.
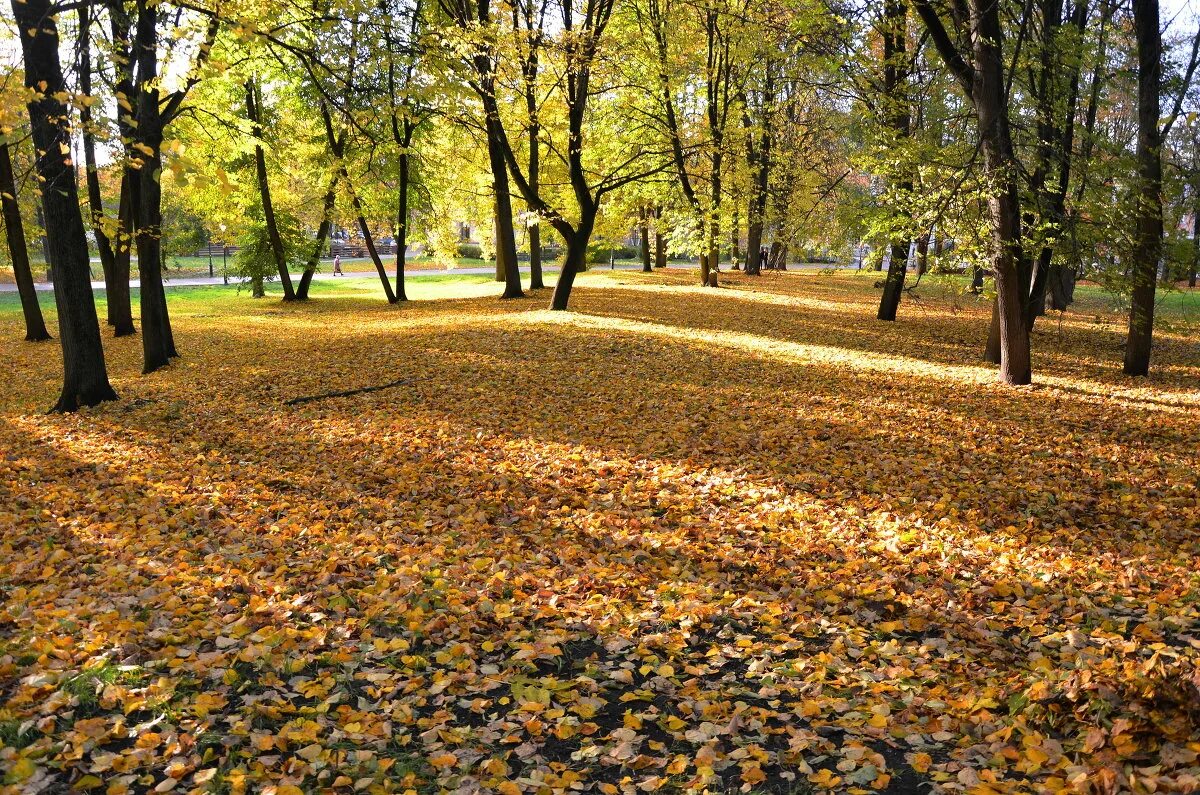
(738, 540)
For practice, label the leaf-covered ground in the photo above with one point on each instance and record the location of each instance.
(678, 539)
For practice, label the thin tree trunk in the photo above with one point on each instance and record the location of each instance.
(402, 218)
(85, 376)
(660, 243)
(506, 240)
(254, 112)
(644, 232)
(314, 259)
(158, 342)
(735, 239)
(535, 233)
(365, 229)
(120, 306)
(1147, 248)
(1195, 241)
(95, 201)
(18, 251)
(899, 123)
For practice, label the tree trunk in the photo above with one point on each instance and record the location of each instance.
(1195, 241)
(735, 241)
(660, 245)
(365, 229)
(644, 232)
(754, 248)
(506, 240)
(1008, 264)
(577, 244)
(535, 233)
(95, 201)
(120, 306)
(158, 342)
(85, 377)
(980, 72)
(1147, 247)
(402, 220)
(18, 251)
(893, 285)
(254, 112)
(314, 259)
(501, 264)
(899, 123)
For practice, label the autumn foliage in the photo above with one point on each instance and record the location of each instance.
(679, 540)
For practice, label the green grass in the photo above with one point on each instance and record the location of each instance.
(197, 297)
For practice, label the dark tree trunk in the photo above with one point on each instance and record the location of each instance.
(754, 248)
(85, 377)
(536, 281)
(314, 259)
(95, 200)
(501, 262)
(775, 255)
(254, 113)
(120, 306)
(35, 324)
(1147, 247)
(982, 79)
(506, 240)
(1195, 239)
(365, 229)
(576, 252)
(893, 285)
(402, 217)
(735, 242)
(158, 342)
(714, 222)
(899, 122)
(1057, 135)
(660, 243)
(644, 232)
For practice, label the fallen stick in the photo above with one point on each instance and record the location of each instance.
(350, 392)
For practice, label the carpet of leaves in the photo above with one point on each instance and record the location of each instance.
(744, 540)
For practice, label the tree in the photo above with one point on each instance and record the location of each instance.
(116, 281)
(85, 376)
(14, 230)
(1151, 132)
(474, 22)
(155, 109)
(254, 114)
(981, 74)
(898, 120)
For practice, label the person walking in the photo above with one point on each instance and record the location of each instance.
(337, 265)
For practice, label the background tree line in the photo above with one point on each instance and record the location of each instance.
(1030, 143)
